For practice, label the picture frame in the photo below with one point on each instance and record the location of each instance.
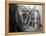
(7, 22)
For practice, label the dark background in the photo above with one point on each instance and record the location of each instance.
(12, 10)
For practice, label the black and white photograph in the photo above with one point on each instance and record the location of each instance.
(25, 18)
